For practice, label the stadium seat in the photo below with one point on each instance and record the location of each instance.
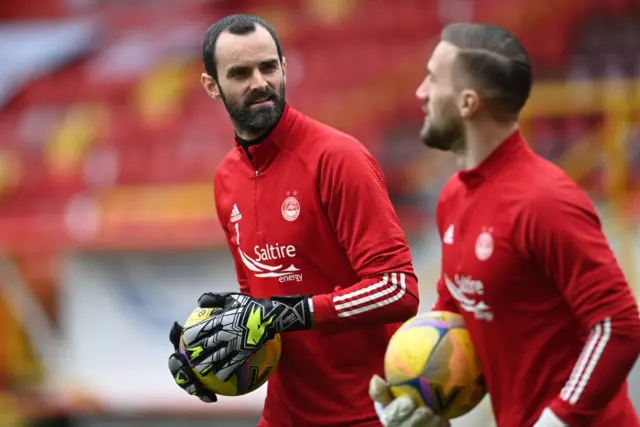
(336, 57)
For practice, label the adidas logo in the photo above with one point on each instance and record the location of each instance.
(235, 214)
(447, 239)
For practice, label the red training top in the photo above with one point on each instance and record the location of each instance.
(552, 317)
(306, 211)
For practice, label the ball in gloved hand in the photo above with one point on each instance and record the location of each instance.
(249, 377)
(432, 360)
(401, 411)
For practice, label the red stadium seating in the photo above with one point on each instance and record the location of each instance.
(157, 127)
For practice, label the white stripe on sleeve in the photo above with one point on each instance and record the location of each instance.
(374, 296)
(582, 371)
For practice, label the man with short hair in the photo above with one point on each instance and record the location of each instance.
(553, 320)
(320, 256)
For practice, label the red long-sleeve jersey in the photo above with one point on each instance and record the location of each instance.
(547, 306)
(306, 211)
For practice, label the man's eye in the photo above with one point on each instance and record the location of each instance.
(239, 74)
(268, 68)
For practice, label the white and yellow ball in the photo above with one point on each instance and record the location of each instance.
(432, 360)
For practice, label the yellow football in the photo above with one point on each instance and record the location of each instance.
(432, 360)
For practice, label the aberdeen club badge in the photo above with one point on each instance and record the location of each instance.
(484, 246)
(290, 208)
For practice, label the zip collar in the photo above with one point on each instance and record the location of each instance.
(499, 157)
(260, 152)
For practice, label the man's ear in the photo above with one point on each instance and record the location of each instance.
(284, 68)
(468, 103)
(210, 85)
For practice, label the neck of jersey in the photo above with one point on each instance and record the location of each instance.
(501, 155)
(260, 151)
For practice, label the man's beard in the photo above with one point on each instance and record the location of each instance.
(447, 135)
(256, 119)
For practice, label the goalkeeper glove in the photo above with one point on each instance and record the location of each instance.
(182, 372)
(230, 336)
(401, 412)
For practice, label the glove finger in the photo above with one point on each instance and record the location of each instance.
(220, 357)
(174, 335)
(200, 353)
(379, 390)
(200, 332)
(222, 354)
(223, 374)
(423, 417)
(225, 337)
(207, 339)
(398, 411)
(184, 377)
(212, 300)
(209, 398)
(181, 373)
(176, 364)
(226, 368)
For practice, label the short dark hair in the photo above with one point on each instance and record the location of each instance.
(235, 24)
(494, 61)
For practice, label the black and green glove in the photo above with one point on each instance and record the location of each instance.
(228, 338)
(182, 372)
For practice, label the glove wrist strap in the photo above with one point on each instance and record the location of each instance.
(294, 313)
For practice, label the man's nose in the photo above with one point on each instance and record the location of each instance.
(422, 92)
(257, 80)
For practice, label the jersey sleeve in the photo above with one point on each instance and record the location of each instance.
(241, 276)
(562, 231)
(364, 221)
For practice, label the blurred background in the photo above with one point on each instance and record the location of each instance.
(108, 147)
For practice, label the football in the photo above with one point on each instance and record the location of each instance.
(248, 377)
(432, 360)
